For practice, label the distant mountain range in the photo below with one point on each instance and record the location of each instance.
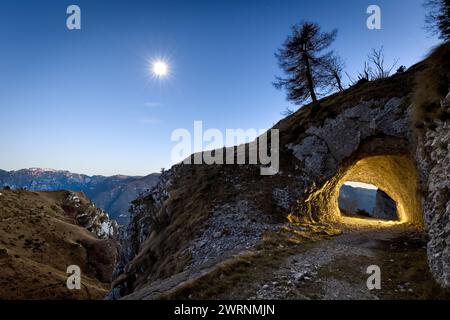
(113, 194)
(352, 199)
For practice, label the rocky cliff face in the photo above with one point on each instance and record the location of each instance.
(112, 194)
(433, 157)
(198, 214)
(432, 122)
(385, 208)
(87, 215)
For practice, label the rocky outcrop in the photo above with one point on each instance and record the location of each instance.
(431, 120)
(145, 219)
(232, 227)
(324, 148)
(371, 143)
(233, 211)
(199, 213)
(385, 208)
(87, 215)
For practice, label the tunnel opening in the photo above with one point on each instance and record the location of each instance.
(363, 200)
(394, 174)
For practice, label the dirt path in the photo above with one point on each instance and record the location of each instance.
(328, 269)
(319, 265)
(336, 268)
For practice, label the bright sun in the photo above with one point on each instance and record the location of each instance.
(160, 68)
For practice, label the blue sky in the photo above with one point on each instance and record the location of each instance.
(85, 100)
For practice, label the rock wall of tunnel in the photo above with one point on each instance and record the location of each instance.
(394, 174)
(433, 159)
(372, 143)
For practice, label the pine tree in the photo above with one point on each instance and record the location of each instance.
(307, 68)
(438, 18)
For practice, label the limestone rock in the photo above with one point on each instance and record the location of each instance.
(436, 203)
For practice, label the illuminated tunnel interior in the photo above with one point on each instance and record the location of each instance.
(394, 175)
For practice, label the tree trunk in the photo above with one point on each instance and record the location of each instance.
(309, 77)
(339, 82)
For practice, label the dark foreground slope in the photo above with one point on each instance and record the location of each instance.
(42, 233)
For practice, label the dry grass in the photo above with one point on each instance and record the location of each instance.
(38, 241)
(164, 253)
(404, 261)
(193, 196)
(236, 277)
(432, 85)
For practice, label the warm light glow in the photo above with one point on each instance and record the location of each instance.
(160, 68)
(355, 221)
(395, 175)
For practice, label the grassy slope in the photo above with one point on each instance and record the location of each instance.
(38, 241)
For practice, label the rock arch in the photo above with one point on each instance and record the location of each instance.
(394, 174)
(371, 143)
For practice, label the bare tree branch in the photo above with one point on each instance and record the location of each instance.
(376, 58)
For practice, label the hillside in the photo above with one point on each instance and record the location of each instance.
(113, 194)
(205, 221)
(360, 198)
(42, 233)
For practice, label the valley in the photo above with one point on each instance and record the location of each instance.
(112, 194)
